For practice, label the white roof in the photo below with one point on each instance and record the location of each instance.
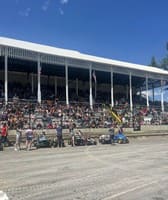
(76, 55)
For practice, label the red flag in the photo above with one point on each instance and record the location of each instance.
(94, 76)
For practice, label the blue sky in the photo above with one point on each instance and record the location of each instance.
(127, 30)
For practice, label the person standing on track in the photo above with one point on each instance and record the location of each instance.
(4, 133)
(18, 138)
(59, 135)
(29, 138)
(72, 134)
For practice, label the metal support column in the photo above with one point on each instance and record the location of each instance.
(6, 76)
(66, 84)
(130, 85)
(147, 92)
(112, 89)
(90, 85)
(153, 92)
(162, 96)
(39, 80)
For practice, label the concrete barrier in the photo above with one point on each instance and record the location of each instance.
(146, 130)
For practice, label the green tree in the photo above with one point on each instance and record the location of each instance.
(153, 62)
(164, 61)
(163, 64)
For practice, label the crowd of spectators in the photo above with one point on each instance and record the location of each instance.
(54, 110)
(50, 113)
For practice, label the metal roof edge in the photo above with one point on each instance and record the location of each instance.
(39, 48)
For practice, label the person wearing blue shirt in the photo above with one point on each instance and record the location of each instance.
(59, 135)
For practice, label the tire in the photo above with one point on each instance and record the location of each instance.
(127, 141)
(120, 141)
(1, 147)
(124, 141)
(103, 142)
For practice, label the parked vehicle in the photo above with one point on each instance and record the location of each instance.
(91, 141)
(42, 141)
(79, 139)
(120, 138)
(114, 138)
(105, 139)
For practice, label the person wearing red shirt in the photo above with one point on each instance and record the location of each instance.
(4, 133)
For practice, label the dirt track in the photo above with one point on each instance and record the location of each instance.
(121, 172)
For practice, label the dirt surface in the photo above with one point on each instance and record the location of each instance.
(138, 170)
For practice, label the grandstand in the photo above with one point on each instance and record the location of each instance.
(46, 72)
(42, 85)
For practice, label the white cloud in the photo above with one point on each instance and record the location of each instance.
(61, 11)
(45, 5)
(64, 1)
(25, 13)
